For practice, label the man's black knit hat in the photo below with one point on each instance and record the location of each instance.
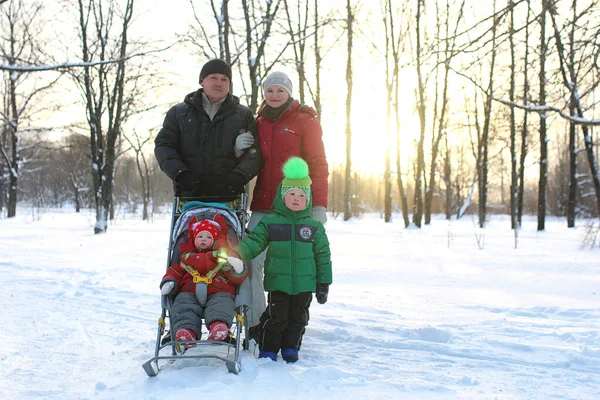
(216, 66)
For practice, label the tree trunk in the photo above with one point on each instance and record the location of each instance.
(483, 163)
(103, 96)
(448, 181)
(572, 200)
(318, 59)
(254, 60)
(524, 128)
(389, 86)
(543, 179)
(513, 127)
(348, 176)
(13, 179)
(571, 83)
(418, 199)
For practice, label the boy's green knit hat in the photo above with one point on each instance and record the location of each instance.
(295, 175)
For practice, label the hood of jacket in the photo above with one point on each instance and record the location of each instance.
(280, 208)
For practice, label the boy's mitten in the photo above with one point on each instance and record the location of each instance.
(167, 288)
(322, 291)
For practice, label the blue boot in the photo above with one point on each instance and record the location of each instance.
(267, 354)
(290, 355)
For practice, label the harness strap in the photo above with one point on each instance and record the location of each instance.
(221, 256)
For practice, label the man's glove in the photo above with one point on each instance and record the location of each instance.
(234, 182)
(167, 288)
(242, 142)
(319, 213)
(187, 180)
(236, 263)
(322, 291)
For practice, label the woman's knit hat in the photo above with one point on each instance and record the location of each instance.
(295, 172)
(278, 78)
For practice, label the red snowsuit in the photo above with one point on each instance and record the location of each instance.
(203, 262)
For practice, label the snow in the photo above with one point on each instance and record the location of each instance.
(412, 314)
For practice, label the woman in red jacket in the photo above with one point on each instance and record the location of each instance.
(285, 129)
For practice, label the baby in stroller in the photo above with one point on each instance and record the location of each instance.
(203, 287)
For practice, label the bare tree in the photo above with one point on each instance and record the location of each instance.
(442, 122)
(103, 89)
(390, 46)
(73, 162)
(298, 37)
(137, 144)
(348, 176)
(543, 178)
(513, 126)
(572, 200)
(318, 59)
(524, 126)
(259, 23)
(571, 82)
(203, 40)
(420, 171)
(485, 134)
(21, 28)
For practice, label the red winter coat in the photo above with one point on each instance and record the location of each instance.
(203, 262)
(297, 132)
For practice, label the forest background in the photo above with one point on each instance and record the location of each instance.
(447, 106)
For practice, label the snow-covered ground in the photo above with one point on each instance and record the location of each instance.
(412, 314)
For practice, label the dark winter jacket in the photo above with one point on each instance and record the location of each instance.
(298, 255)
(297, 132)
(190, 141)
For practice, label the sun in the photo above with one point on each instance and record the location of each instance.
(371, 137)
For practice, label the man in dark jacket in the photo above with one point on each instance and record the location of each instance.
(208, 144)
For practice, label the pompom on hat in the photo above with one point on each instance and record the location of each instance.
(295, 172)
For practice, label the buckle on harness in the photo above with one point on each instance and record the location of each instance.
(201, 279)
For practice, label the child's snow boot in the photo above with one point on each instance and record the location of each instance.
(218, 331)
(185, 335)
(267, 354)
(290, 355)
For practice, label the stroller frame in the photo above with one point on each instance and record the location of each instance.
(233, 364)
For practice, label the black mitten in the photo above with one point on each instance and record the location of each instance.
(187, 180)
(235, 182)
(322, 291)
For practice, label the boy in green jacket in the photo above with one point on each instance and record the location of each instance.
(298, 263)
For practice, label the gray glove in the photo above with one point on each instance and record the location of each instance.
(242, 142)
(319, 213)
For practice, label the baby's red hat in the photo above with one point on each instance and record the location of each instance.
(212, 227)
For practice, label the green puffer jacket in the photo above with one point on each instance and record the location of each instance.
(298, 256)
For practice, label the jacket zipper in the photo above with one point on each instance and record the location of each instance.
(271, 194)
(294, 255)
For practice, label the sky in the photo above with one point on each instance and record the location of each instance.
(412, 314)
